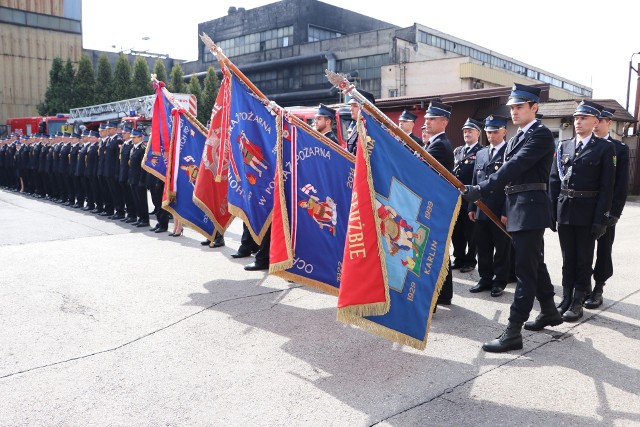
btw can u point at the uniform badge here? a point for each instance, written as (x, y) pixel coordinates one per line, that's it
(565, 159)
(466, 161)
(496, 167)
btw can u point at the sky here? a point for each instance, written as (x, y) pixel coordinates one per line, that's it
(588, 44)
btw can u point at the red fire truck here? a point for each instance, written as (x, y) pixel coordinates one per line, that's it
(40, 124)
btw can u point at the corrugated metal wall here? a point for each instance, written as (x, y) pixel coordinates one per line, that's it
(46, 7)
(26, 55)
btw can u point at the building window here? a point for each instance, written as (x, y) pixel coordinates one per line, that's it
(255, 42)
(315, 34)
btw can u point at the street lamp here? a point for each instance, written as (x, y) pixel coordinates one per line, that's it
(629, 81)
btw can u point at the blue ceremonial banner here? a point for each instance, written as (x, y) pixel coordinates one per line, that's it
(314, 196)
(185, 152)
(253, 135)
(414, 210)
(156, 156)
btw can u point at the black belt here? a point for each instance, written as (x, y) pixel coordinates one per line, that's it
(525, 187)
(573, 193)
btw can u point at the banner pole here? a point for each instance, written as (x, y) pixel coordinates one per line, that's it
(341, 82)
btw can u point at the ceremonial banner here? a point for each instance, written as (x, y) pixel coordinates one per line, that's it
(155, 158)
(185, 153)
(210, 192)
(397, 249)
(252, 140)
(311, 207)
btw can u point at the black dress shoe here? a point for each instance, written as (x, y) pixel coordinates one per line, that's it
(467, 268)
(254, 266)
(206, 242)
(142, 224)
(105, 213)
(132, 220)
(241, 254)
(161, 230)
(218, 242)
(480, 286)
(511, 339)
(497, 290)
(155, 228)
(117, 217)
(456, 265)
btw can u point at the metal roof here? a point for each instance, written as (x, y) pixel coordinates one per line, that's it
(560, 109)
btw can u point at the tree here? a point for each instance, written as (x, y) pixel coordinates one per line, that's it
(160, 71)
(104, 81)
(67, 88)
(211, 86)
(122, 79)
(141, 83)
(84, 83)
(196, 89)
(51, 103)
(177, 84)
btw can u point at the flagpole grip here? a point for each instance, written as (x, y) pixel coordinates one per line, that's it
(342, 83)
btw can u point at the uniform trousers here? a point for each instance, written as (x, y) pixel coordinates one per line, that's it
(577, 245)
(494, 253)
(603, 268)
(533, 279)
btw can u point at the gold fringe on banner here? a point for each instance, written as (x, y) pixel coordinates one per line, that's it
(306, 281)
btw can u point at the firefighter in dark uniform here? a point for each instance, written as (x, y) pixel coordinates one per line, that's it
(96, 205)
(603, 268)
(524, 177)
(494, 246)
(42, 165)
(352, 139)
(107, 202)
(406, 122)
(123, 176)
(111, 167)
(61, 165)
(52, 186)
(137, 179)
(84, 194)
(76, 195)
(323, 123)
(581, 189)
(464, 247)
(36, 171)
(436, 120)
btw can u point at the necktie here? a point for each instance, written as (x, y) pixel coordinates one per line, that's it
(578, 148)
(491, 153)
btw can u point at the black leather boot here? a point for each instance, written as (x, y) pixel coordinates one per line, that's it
(595, 299)
(548, 316)
(511, 339)
(567, 296)
(575, 309)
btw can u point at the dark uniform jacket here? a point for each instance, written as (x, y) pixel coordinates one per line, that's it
(125, 153)
(42, 159)
(34, 155)
(484, 167)
(102, 150)
(63, 162)
(332, 136)
(82, 159)
(73, 158)
(416, 139)
(92, 160)
(463, 163)
(352, 141)
(51, 157)
(591, 170)
(622, 177)
(440, 148)
(527, 161)
(112, 152)
(136, 173)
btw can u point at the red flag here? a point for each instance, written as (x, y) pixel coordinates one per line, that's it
(210, 192)
(363, 297)
(159, 144)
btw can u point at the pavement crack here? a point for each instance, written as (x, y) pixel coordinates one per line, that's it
(116, 348)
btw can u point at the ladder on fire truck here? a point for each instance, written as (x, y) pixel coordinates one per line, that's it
(141, 107)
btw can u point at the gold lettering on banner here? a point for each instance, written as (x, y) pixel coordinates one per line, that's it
(412, 291)
(355, 237)
(430, 257)
(427, 212)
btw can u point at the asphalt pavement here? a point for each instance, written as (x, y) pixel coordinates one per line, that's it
(105, 324)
